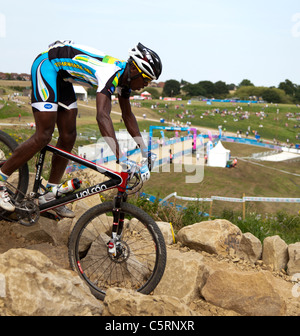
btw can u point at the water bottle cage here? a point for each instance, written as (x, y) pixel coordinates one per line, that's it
(55, 193)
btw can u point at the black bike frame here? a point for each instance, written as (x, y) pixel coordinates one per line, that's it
(117, 179)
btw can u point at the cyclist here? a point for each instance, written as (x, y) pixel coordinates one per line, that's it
(54, 102)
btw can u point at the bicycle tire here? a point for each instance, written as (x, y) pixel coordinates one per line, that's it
(20, 178)
(142, 241)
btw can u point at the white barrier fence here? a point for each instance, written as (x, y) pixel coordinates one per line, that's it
(233, 199)
(243, 200)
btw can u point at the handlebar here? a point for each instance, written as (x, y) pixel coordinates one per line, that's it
(134, 168)
(138, 172)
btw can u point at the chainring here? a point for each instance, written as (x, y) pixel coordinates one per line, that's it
(27, 212)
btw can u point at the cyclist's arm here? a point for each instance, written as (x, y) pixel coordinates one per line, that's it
(130, 121)
(103, 104)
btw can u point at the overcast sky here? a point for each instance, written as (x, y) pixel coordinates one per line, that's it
(227, 40)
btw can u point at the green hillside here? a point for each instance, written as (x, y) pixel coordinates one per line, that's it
(271, 121)
(247, 178)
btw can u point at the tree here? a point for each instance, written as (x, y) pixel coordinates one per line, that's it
(209, 88)
(194, 90)
(271, 96)
(288, 87)
(171, 88)
(297, 95)
(221, 88)
(245, 82)
(231, 86)
(184, 82)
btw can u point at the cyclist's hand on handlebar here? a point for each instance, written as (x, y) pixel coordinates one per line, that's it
(133, 168)
(126, 164)
(150, 156)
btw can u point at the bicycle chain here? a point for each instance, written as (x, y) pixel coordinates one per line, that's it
(26, 212)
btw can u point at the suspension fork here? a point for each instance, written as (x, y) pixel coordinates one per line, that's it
(118, 223)
(118, 215)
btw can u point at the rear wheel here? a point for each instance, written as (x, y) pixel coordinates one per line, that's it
(140, 258)
(18, 181)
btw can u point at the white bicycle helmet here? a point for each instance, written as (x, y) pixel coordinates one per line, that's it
(146, 60)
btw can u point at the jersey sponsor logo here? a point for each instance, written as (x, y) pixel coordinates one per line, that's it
(72, 65)
(48, 106)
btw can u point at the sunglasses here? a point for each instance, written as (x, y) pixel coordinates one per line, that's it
(146, 78)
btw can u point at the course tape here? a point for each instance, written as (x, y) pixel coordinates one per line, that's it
(243, 199)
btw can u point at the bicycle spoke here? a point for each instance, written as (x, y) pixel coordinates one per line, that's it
(134, 263)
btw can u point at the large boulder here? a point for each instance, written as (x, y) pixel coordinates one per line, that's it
(31, 285)
(167, 231)
(248, 293)
(250, 248)
(275, 253)
(123, 302)
(294, 259)
(217, 237)
(183, 274)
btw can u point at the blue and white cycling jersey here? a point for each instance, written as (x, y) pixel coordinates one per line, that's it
(86, 65)
(67, 62)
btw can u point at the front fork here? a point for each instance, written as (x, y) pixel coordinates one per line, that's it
(118, 222)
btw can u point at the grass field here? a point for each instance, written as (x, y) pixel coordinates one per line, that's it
(246, 178)
(271, 121)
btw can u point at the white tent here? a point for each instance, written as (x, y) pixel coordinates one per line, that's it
(80, 92)
(218, 156)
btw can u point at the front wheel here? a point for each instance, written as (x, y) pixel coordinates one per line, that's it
(139, 262)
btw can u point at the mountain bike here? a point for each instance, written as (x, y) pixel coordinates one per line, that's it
(113, 244)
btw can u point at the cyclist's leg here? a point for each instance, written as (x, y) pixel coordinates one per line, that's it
(45, 123)
(44, 107)
(66, 124)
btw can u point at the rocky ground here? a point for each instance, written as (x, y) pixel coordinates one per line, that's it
(14, 236)
(212, 270)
